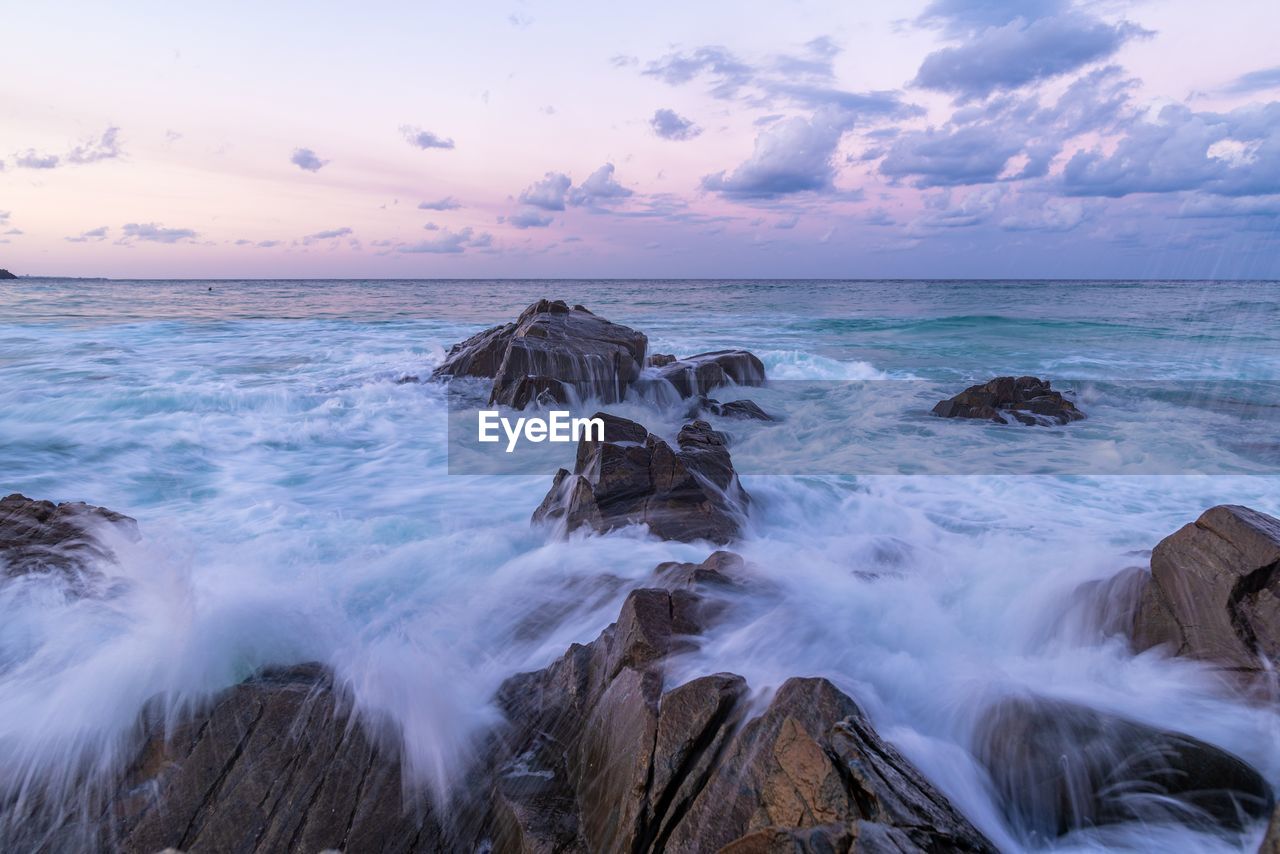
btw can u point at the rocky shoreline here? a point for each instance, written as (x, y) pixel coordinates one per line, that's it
(604, 750)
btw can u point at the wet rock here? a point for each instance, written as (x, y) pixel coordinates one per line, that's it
(275, 763)
(1027, 400)
(1214, 591)
(745, 409)
(697, 375)
(808, 767)
(1058, 766)
(40, 536)
(551, 351)
(721, 570)
(408, 379)
(604, 757)
(659, 360)
(633, 477)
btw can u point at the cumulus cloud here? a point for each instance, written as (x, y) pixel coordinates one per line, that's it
(805, 79)
(447, 242)
(448, 203)
(1022, 51)
(530, 217)
(155, 233)
(1058, 215)
(30, 159)
(669, 124)
(1229, 154)
(93, 234)
(306, 159)
(549, 194)
(792, 156)
(104, 147)
(1255, 81)
(1010, 137)
(327, 234)
(424, 139)
(600, 188)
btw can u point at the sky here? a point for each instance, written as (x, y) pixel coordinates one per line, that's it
(790, 138)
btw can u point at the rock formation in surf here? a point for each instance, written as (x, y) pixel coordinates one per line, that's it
(551, 352)
(555, 354)
(1027, 400)
(1214, 591)
(40, 536)
(1058, 766)
(634, 477)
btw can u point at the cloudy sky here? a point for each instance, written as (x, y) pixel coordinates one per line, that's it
(951, 138)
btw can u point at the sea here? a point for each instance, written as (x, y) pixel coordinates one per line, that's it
(297, 503)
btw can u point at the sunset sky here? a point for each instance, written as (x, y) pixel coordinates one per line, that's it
(952, 138)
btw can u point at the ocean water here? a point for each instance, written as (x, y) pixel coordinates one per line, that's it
(296, 505)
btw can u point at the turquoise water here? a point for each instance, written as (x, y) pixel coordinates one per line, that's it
(295, 504)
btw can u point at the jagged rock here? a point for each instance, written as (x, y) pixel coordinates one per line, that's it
(552, 351)
(274, 764)
(604, 758)
(633, 477)
(693, 376)
(747, 409)
(5, 274)
(658, 360)
(1058, 766)
(812, 769)
(1027, 400)
(39, 536)
(1214, 591)
(722, 569)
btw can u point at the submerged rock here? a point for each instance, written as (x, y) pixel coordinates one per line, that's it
(552, 351)
(697, 375)
(1027, 400)
(1214, 591)
(1058, 766)
(40, 536)
(633, 477)
(746, 409)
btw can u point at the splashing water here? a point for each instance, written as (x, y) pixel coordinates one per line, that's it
(294, 505)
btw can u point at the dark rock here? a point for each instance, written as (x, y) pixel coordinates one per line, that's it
(39, 536)
(659, 360)
(276, 763)
(551, 350)
(633, 477)
(408, 379)
(747, 409)
(722, 569)
(1214, 591)
(1058, 766)
(603, 757)
(1028, 400)
(5, 274)
(697, 375)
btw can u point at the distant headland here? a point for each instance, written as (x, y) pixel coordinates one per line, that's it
(5, 274)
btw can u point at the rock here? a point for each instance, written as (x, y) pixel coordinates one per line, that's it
(39, 536)
(602, 756)
(408, 379)
(1271, 841)
(721, 570)
(812, 769)
(1214, 591)
(554, 351)
(1028, 400)
(5, 274)
(693, 376)
(747, 409)
(659, 360)
(1058, 766)
(274, 764)
(633, 477)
